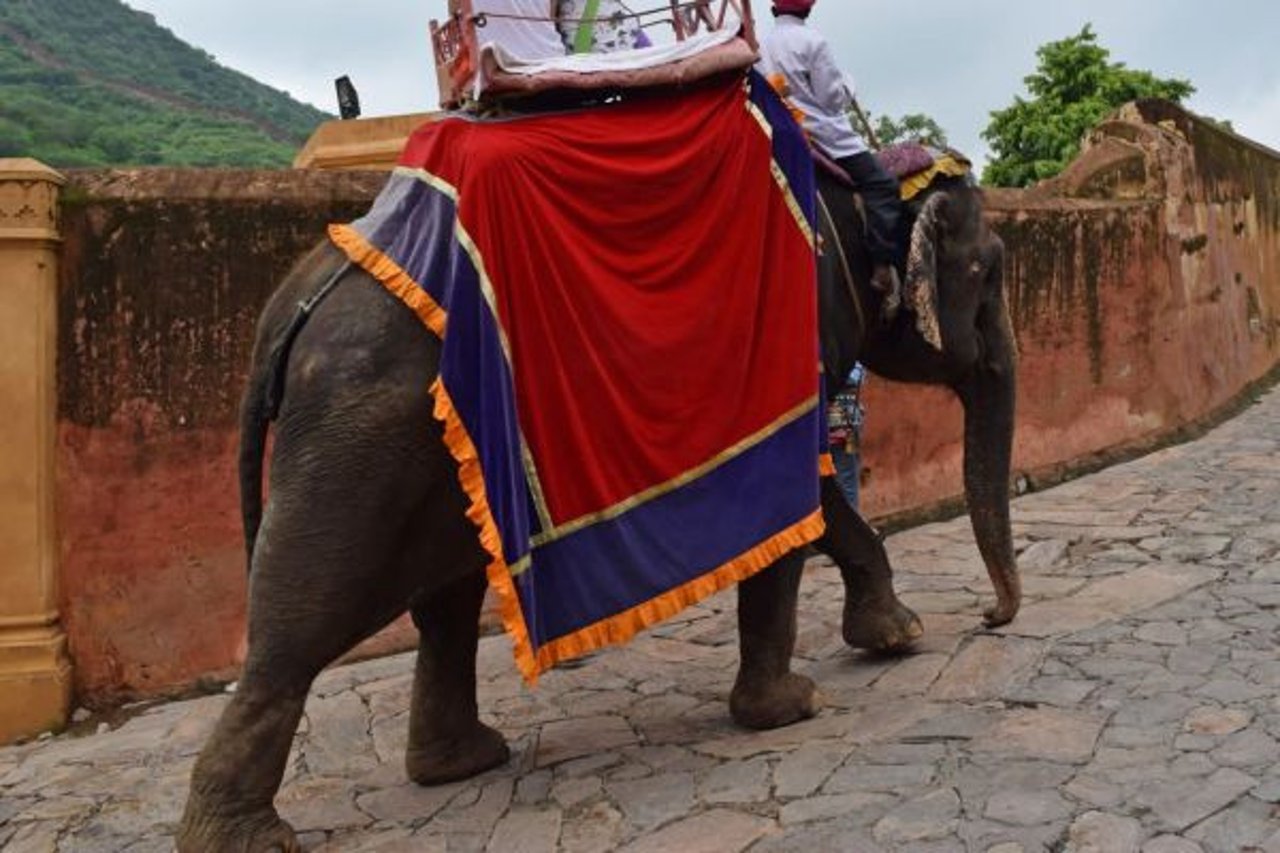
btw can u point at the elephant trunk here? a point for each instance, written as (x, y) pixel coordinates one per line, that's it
(989, 394)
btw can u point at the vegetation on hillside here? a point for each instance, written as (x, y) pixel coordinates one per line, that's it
(93, 82)
(1073, 88)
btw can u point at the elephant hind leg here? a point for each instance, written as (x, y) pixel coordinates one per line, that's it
(767, 694)
(447, 741)
(226, 811)
(329, 570)
(292, 637)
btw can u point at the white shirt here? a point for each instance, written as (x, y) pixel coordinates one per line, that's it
(518, 41)
(801, 55)
(613, 29)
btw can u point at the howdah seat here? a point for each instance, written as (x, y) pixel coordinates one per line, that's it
(691, 40)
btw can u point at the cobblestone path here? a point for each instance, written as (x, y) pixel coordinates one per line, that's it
(1134, 706)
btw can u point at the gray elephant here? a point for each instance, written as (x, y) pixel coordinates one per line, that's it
(366, 518)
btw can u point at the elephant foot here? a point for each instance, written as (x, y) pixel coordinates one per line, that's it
(262, 832)
(1001, 613)
(773, 704)
(437, 762)
(886, 630)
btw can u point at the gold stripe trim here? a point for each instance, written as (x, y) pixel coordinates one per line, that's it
(535, 485)
(581, 523)
(780, 179)
(430, 178)
(759, 116)
(460, 447)
(491, 299)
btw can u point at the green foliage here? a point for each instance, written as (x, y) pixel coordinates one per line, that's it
(1074, 87)
(95, 83)
(917, 126)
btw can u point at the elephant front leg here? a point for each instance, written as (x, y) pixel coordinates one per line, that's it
(874, 618)
(767, 693)
(238, 772)
(447, 741)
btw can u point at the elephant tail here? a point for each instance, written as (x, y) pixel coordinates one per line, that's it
(262, 402)
(254, 423)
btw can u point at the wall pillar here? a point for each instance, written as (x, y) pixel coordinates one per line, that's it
(35, 673)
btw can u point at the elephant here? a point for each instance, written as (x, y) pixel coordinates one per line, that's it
(976, 358)
(366, 518)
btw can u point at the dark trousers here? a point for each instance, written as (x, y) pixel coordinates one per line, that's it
(881, 202)
(848, 472)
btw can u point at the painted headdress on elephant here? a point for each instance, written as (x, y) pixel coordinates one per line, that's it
(920, 290)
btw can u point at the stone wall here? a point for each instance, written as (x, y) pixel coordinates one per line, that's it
(1145, 286)
(162, 277)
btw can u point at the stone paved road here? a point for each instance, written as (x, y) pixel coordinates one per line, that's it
(1135, 706)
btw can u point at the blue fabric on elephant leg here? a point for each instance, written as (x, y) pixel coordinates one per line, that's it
(848, 473)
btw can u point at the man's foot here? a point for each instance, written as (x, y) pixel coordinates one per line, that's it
(884, 278)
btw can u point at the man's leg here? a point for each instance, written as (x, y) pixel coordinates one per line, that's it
(883, 205)
(848, 471)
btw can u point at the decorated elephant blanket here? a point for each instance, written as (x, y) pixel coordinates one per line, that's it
(629, 379)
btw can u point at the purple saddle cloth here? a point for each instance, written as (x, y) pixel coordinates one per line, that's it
(906, 158)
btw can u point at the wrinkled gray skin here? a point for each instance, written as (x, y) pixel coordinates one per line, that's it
(366, 519)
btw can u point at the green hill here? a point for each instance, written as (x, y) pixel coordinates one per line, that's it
(95, 83)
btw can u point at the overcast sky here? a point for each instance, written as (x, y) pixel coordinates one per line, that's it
(955, 61)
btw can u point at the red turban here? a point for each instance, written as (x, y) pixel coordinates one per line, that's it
(793, 7)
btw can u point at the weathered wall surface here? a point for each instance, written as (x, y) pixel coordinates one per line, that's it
(1145, 288)
(163, 274)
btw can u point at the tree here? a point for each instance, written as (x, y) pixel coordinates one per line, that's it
(916, 126)
(1074, 87)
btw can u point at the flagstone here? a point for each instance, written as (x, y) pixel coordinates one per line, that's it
(986, 668)
(1049, 733)
(654, 800)
(408, 803)
(717, 831)
(1098, 832)
(828, 806)
(933, 815)
(526, 830)
(1027, 807)
(1171, 844)
(564, 740)
(1179, 803)
(1212, 720)
(597, 830)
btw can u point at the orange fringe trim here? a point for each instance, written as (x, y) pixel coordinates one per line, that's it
(471, 477)
(456, 438)
(826, 465)
(616, 629)
(391, 275)
(622, 627)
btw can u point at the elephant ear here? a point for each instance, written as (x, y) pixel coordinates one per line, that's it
(920, 290)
